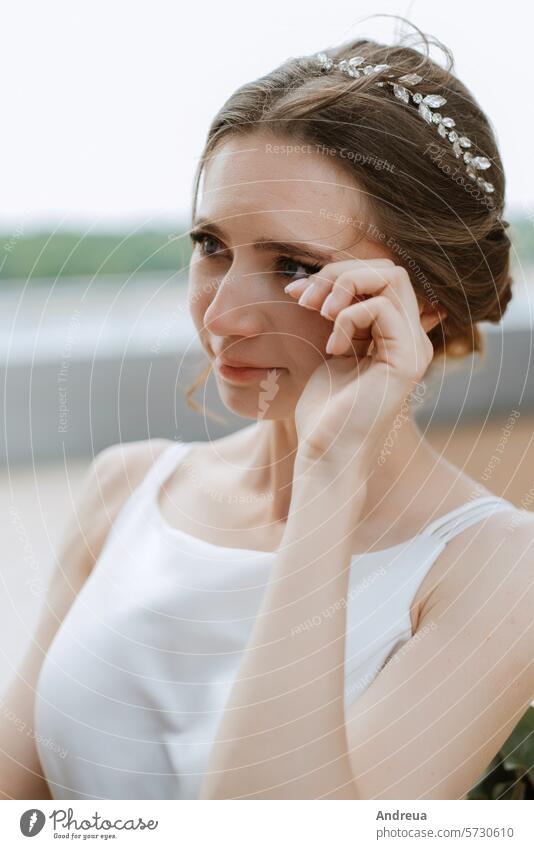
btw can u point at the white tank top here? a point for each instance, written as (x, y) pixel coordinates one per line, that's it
(134, 683)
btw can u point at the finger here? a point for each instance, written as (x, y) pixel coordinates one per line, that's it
(359, 344)
(354, 284)
(393, 283)
(377, 314)
(324, 279)
(359, 348)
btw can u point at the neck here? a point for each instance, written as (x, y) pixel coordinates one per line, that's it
(404, 468)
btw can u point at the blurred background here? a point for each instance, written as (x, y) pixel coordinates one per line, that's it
(106, 108)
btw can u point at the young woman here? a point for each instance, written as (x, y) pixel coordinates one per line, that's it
(318, 605)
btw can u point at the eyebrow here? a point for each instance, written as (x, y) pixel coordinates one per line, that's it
(264, 244)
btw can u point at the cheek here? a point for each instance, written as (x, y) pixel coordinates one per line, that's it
(307, 331)
(310, 322)
(303, 330)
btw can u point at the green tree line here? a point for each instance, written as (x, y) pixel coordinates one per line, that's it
(36, 256)
(69, 254)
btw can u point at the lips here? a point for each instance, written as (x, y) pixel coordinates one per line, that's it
(225, 361)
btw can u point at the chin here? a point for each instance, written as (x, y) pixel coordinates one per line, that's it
(257, 401)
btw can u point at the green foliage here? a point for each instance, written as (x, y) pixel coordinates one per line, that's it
(66, 254)
(510, 774)
(38, 256)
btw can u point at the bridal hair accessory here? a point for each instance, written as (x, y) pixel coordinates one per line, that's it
(353, 68)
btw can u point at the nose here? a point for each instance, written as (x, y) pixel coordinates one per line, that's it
(238, 307)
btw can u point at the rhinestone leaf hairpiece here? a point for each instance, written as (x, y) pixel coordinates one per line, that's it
(356, 67)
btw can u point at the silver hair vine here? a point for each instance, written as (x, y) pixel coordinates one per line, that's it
(355, 67)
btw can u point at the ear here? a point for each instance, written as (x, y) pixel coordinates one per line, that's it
(430, 315)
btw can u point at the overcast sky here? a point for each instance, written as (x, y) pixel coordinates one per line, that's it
(106, 103)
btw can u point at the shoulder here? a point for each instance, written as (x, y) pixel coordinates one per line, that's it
(109, 480)
(126, 463)
(502, 541)
(486, 582)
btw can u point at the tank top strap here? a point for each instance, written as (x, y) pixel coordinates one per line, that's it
(446, 527)
(163, 466)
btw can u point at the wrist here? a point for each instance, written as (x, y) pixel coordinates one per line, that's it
(333, 464)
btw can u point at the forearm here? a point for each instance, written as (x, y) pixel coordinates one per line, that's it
(282, 734)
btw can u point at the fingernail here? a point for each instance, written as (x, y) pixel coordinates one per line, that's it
(329, 344)
(305, 297)
(291, 286)
(324, 308)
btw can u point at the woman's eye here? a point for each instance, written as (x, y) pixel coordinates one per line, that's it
(300, 269)
(209, 245)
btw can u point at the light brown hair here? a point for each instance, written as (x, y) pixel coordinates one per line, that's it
(448, 234)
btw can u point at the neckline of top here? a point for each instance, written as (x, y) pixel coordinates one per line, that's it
(182, 449)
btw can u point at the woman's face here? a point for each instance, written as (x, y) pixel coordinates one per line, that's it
(268, 215)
